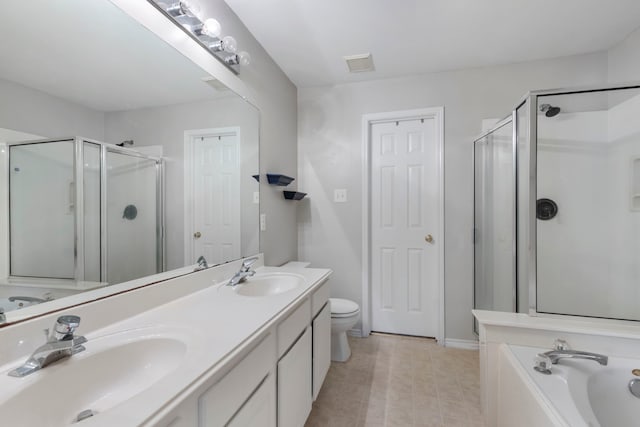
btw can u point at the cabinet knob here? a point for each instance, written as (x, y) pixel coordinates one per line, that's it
(428, 238)
(197, 234)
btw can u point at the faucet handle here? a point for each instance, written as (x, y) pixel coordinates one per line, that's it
(561, 345)
(542, 364)
(65, 327)
(247, 263)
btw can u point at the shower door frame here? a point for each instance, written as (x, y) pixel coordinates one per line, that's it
(77, 260)
(501, 123)
(78, 169)
(532, 98)
(160, 201)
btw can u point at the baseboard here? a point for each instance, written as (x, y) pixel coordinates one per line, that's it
(463, 344)
(355, 332)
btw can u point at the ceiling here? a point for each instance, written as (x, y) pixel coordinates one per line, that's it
(94, 55)
(309, 38)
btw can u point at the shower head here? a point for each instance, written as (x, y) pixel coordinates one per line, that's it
(549, 110)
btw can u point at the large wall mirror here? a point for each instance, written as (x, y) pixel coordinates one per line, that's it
(120, 158)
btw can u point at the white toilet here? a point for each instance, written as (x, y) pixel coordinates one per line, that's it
(344, 316)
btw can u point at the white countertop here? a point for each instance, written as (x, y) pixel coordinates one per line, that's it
(218, 325)
(580, 325)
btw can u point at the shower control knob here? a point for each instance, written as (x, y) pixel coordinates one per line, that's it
(428, 238)
(197, 234)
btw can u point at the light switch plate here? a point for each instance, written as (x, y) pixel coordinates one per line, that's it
(263, 222)
(340, 195)
(256, 197)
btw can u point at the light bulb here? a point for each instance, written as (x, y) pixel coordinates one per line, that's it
(211, 28)
(229, 44)
(190, 8)
(244, 58)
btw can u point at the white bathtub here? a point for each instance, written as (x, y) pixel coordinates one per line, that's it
(582, 392)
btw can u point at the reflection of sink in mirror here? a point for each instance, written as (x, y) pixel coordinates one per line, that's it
(7, 305)
(269, 284)
(110, 371)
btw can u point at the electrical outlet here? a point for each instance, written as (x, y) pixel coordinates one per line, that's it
(263, 222)
(340, 195)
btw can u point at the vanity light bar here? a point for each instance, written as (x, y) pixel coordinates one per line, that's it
(187, 15)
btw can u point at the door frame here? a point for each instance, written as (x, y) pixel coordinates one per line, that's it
(437, 114)
(189, 138)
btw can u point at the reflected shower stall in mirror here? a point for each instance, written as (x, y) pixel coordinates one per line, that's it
(103, 214)
(577, 193)
(134, 100)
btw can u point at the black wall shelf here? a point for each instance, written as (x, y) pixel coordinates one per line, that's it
(279, 179)
(293, 195)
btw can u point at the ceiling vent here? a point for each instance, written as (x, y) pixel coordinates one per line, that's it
(359, 63)
(215, 83)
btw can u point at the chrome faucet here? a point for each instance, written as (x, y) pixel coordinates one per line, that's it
(245, 271)
(61, 343)
(561, 351)
(202, 264)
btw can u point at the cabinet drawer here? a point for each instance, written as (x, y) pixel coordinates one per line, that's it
(218, 404)
(294, 383)
(260, 409)
(292, 327)
(319, 298)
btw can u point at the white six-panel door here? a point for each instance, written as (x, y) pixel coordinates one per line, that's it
(216, 198)
(405, 210)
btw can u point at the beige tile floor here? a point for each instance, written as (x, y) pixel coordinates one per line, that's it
(400, 381)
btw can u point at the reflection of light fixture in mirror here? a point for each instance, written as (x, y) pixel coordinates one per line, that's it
(242, 58)
(227, 44)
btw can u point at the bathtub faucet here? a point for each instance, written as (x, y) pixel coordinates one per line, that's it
(545, 360)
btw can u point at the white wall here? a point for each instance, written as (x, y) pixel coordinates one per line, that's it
(329, 133)
(624, 59)
(28, 110)
(573, 248)
(275, 96)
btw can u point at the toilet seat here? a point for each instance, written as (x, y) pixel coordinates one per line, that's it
(343, 307)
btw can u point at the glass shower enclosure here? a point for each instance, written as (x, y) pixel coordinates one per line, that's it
(104, 213)
(572, 203)
(494, 219)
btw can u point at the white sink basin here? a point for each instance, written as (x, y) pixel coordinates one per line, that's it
(269, 284)
(110, 371)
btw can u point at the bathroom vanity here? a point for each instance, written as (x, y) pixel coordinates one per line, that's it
(256, 354)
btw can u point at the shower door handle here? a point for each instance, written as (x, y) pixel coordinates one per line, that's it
(197, 234)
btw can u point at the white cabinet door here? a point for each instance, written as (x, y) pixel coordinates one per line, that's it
(260, 409)
(294, 383)
(321, 348)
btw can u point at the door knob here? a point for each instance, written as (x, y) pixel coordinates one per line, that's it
(197, 234)
(428, 238)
